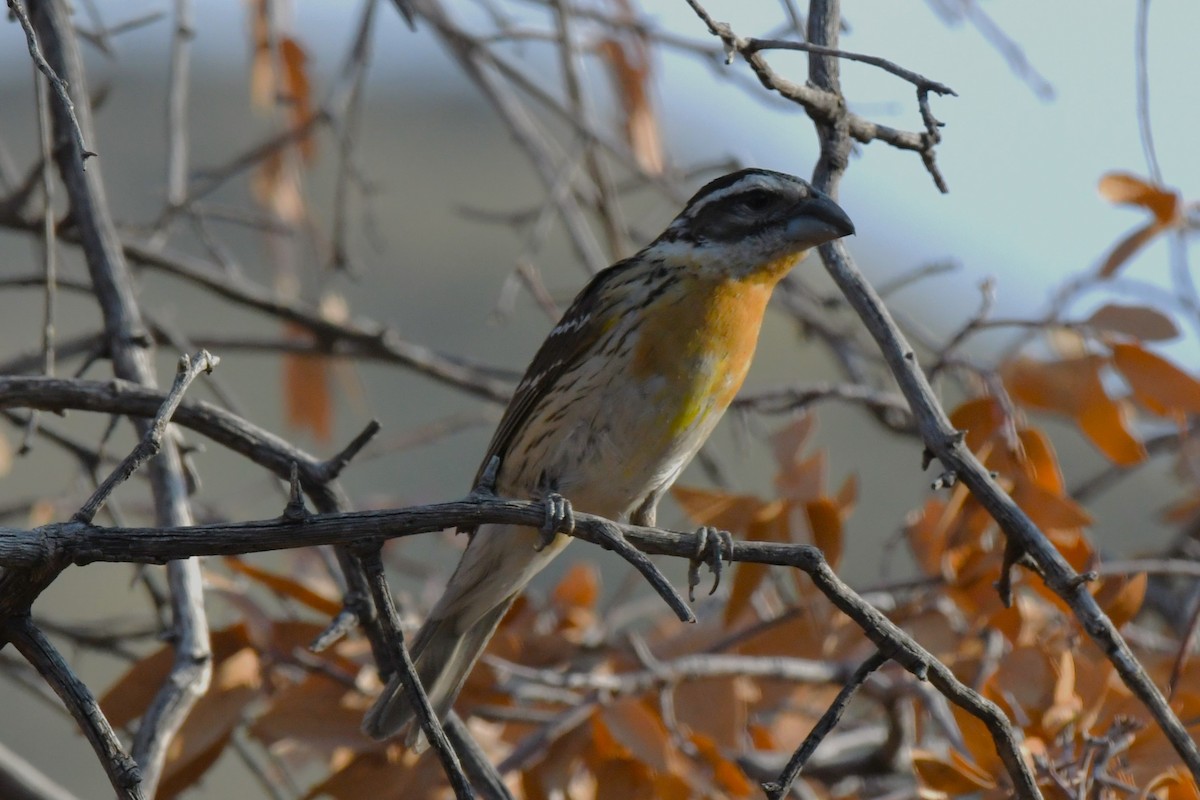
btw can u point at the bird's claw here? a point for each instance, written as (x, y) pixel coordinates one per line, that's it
(558, 516)
(713, 547)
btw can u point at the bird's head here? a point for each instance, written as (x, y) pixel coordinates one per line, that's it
(752, 218)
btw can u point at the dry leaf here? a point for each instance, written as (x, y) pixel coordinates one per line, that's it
(1107, 424)
(1066, 704)
(206, 731)
(714, 708)
(1174, 784)
(298, 91)
(802, 480)
(307, 393)
(639, 732)
(1040, 461)
(318, 712)
(1065, 386)
(825, 522)
(788, 442)
(624, 779)
(1157, 384)
(954, 777)
(727, 776)
(1049, 510)
(1126, 189)
(128, 698)
(980, 418)
(1126, 248)
(1140, 322)
(629, 66)
(1120, 597)
(578, 589)
(262, 67)
(286, 587)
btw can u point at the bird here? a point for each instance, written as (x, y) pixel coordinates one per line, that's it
(617, 400)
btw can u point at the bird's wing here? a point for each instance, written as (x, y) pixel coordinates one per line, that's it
(567, 344)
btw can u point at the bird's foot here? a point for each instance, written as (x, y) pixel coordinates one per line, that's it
(713, 547)
(558, 516)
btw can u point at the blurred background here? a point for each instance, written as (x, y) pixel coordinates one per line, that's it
(1047, 103)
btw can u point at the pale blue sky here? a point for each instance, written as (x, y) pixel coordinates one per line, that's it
(1022, 170)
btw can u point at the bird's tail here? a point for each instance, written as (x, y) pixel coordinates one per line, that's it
(444, 656)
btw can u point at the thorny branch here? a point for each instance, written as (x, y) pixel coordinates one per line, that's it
(76, 542)
(939, 435)
(824, 104)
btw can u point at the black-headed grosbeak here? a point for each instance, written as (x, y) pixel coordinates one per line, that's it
(620, 396)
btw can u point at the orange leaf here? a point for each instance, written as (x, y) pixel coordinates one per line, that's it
(825, 522)
(1157, 384)
(318, 712)
(1106, 423)
(298, 90)
(206, 731)
(979, 743)
(1183, 511)
(1140, 322)
(980, 418)
(746, 579)
(306, 389)
(1065, 386)
(802, 480)
(624, 779)
(579, 588)
(728, 777)
(629, 66)
(1066, 704)
(947, 776)
(286, 587)
(640, 732)
(1049, 509)
(1120, 597)
(128, 698)
(788, 442)
(382, 775)
(1126, 189)
(715, 708)
(769, 523)
(731, 512)
(1041, 463)
(175, 782)
(1125, 249)
(1174, 784)
(847, 495)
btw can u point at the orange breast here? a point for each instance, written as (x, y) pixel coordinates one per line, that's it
(700, 337)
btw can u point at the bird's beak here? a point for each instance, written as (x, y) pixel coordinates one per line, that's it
(821, 208)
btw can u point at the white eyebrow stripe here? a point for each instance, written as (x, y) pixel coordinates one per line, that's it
(744, 184)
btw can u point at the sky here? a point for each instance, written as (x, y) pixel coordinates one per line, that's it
(1022, 166)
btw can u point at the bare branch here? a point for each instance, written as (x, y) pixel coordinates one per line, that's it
(781, 787)
(939, 435)
(122, 771)
(152, 440)
(59, 84)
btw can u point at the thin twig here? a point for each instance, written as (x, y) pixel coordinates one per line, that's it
(59, 84)
(829, 720)
(177, 104)
(122, 771)
(406, 672)
(152, 440)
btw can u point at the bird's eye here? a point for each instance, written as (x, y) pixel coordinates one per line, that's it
(757, 200)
